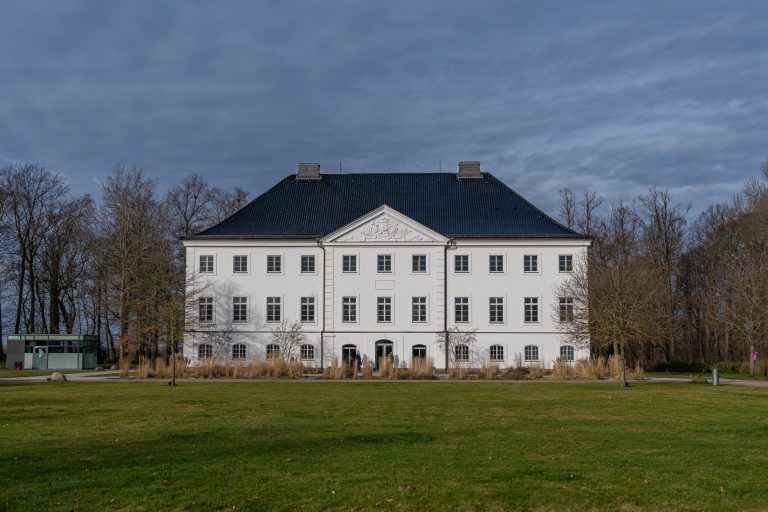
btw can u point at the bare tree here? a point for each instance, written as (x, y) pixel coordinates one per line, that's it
(568, 208)
(288, 337)
(450, 341)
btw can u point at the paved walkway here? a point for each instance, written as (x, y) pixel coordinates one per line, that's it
(111, 376)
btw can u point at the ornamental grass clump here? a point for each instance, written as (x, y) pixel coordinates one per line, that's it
(334, 370)
(387, 368)
(422, 368)
(562, 370)
(124, 367)
(489, 371)
(367, 369)
(536, 371)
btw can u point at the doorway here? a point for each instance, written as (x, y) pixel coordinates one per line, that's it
(40, 361)
(384, 349)
(349, 355)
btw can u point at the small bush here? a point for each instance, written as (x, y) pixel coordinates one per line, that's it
(335, 370)
(515, 373)
(536, 371)
(727, 367)
(562, 370)
(367, 369)
(744, 368)
(490, 371)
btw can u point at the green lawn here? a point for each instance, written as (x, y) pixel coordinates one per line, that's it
(384, 446)
(706, 375)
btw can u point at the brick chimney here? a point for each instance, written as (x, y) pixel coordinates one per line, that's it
(469, 170)
(308, 172)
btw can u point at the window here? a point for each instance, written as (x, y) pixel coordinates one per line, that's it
(531, 353)
(566, 263)
(496, 310)
(307, 309)
(206, 309)
(531, 263)
(461, 263)
(307, 352)
(349, 309)
(418, 309)
(204, 351)
(461, 352)
(531, 309)
(567, 352)
(496, 263)
(419, 351)
(384, 309)
(273, 351)
(566, 309)
(461, 309)
(384, 263)
(240, 264)
(419, 263)
(206, 264)
(497, 353)
(273, 309)
(308, 264)
(238, 351)
(274, 264)
(349, 263)
(239, 309)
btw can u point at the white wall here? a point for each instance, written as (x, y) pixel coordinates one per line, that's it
(402, 284)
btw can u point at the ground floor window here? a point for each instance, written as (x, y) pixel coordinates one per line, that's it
(307, 352)
(419, 351)
(238, 351)
(273, 351)
(462, 352)
(531, 353)
(567, 352)
(204, 351)
(497, 353)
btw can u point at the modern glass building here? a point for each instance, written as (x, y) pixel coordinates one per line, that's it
(54, 351)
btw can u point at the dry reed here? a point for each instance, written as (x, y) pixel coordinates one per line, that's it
(335, 370)
(124, 367)
(562, 370)
(422, 368)
(367, 369)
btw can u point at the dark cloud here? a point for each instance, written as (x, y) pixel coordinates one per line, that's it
(616, 96)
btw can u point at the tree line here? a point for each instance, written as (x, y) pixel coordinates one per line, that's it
(657, 287)
(112, 267)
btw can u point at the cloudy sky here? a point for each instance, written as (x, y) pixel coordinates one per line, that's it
(616, 96)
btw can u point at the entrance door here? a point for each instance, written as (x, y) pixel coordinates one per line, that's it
(349, 355)
(41, 358)
(383, 349)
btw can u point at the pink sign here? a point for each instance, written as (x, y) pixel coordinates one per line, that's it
(754, 356)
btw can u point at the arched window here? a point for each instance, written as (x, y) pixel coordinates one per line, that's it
(273, 351)
(566, 352)
(307, 352)
(462, 352)
(204, 351)
(531, 353)
(419, 351)
(497, 353)
(238, 351)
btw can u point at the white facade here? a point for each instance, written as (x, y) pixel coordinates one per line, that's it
(380, 236)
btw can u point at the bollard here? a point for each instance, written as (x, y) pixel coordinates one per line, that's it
(715, 376)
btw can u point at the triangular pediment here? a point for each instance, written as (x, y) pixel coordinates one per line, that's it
(385, 225)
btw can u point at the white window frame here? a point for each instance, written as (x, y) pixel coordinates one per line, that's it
(538, 263)
(210, 303)
(391, 263)
(469, 264)
(354, 302)
(503, 310)
(572, 355)
(469, 310)
(531, 359)
(247, 264)
(565, 301)
(495, 358)
(208, 349)
(425, 305)
(391, 303)
(272, 351)
(503, 264)
(426, 264)
(538, 311)
(281, 259)
(213, 264)
(465, 349)
(314, 309)
(239, 357)
(243, 301)
(304, 350)
(279, 305)
(314, 264)
(357, 263)
(559, 268)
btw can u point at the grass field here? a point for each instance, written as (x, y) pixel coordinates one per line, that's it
(6, 373)
(383, 446)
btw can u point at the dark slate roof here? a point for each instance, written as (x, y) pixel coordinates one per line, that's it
(456, 208)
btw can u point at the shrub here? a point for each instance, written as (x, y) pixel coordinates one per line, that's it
(562, 370)
(744, 368)
(335, 370)
(536, 371)
(423, 368)
(367, 369)
(727, 367)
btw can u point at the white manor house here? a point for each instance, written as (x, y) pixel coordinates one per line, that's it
(385, 263)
